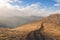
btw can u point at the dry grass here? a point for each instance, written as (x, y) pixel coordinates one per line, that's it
(29, 27)
(19, 33)
(7, 34)
(50, 30)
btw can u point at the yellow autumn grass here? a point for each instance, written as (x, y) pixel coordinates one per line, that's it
(29, 27)
(52, 29)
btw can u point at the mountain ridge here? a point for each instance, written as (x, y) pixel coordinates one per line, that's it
(49, 30)
(44, 29)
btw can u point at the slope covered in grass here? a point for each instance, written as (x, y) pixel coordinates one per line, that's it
(45, 29)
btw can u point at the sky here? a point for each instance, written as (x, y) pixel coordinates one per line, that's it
(29, 7)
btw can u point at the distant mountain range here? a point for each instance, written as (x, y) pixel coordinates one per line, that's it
(17, 20)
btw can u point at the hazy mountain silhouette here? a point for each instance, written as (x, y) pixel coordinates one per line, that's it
(17, 20)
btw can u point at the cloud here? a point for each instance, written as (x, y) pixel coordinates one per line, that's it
(58, 1)
(6, 9)
(13, 11)
(33, 9)
(12, 1)
(54, 12)
(4, 3)
(57, 5)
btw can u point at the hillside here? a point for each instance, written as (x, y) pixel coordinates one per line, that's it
(49, 30)
(28, 27)
(45, 29)
(19, 33)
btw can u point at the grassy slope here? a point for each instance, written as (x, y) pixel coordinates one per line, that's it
(29, 27)
(19, 33)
